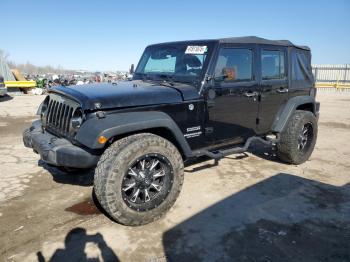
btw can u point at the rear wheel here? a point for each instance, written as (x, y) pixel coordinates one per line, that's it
(298, 139)
(138, 178)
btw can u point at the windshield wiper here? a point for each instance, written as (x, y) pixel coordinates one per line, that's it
(164, 80)
(168, 81)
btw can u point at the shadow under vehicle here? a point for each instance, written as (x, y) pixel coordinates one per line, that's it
(283, 218)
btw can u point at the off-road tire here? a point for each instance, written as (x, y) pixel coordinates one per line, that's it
(287, 148)
(115, 162)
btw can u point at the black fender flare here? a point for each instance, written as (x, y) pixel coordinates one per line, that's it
(287, 110)
(122, 123)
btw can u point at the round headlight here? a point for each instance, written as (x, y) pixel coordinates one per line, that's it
(77, 118)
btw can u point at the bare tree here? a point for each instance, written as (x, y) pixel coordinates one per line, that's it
(4, 55)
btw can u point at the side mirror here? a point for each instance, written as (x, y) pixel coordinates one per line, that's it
(229, 73)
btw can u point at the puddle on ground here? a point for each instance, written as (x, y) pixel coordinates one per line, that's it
(14, 125)
(85, 208)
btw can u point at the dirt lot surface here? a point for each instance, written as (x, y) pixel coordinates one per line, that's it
(250, 207)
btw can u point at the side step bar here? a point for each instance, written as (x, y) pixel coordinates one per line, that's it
(235, 150)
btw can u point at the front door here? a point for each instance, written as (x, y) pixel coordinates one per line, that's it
(233, 111)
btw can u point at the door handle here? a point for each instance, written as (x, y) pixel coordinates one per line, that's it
(282, 90)
(250, 94)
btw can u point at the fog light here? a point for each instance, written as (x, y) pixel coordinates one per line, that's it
(102, 140)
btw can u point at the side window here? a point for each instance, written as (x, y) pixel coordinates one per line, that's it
(234, 64)
(272, 64)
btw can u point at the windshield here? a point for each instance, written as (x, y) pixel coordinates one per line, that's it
(182, 62)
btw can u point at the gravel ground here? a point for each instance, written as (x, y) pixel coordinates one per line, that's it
(250, 207)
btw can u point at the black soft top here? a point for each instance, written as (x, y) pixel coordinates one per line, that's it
(245, 40)
(259, 40)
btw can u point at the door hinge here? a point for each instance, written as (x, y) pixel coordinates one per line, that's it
(211, 103)
(100, 114)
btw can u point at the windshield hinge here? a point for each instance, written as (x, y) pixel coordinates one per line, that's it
(100, 114)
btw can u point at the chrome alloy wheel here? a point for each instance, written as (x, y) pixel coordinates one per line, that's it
(305, 137)
(147, 182)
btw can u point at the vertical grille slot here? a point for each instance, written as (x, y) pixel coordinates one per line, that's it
(64, 107)
(58, 115)
(50, 112)
(54, 113)
(65, 122)
(49, 109)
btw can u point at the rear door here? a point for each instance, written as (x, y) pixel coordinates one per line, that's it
(273, 84)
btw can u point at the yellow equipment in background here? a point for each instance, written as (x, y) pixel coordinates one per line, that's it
(336, 86)
(21, 81)
(17, 74)
(20, 84)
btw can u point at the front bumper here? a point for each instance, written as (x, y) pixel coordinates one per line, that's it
(57, 151)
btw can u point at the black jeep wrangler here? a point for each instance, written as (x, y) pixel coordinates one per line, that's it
(187, 99)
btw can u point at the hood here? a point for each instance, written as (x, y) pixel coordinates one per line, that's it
(126, 94)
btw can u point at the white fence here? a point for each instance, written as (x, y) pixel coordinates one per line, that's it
(332, 77)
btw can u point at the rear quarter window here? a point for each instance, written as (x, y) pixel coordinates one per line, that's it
(301, 76)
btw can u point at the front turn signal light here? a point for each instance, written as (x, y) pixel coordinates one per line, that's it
(102, 140)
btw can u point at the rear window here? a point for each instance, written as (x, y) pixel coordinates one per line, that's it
(272, 64)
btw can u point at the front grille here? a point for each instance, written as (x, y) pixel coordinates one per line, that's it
(59, 114)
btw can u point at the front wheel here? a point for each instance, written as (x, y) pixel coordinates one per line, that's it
(138, 178)
(298, 139)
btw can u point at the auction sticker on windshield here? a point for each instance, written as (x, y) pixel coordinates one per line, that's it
(196, 49)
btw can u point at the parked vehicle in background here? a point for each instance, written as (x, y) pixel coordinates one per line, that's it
(3, 89)
(187, 99)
